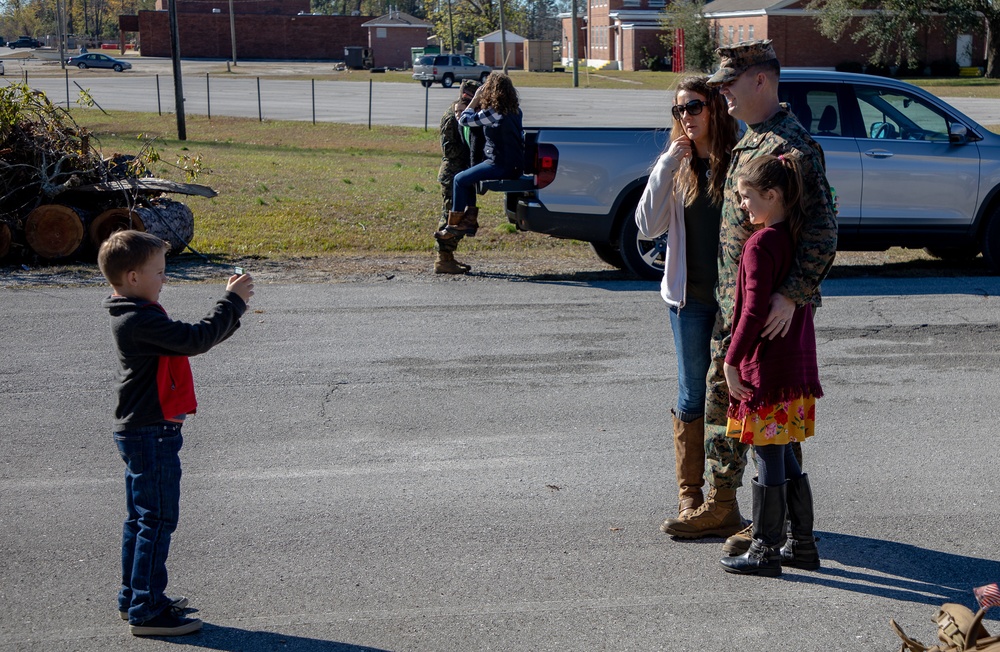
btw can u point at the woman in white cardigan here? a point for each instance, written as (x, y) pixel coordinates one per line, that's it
(683, 198)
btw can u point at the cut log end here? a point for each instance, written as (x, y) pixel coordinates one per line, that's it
(111, 220)
(54, 231)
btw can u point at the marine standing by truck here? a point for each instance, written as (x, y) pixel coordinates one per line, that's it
(461, 148)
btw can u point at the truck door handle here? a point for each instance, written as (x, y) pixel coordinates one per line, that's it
(878, 153)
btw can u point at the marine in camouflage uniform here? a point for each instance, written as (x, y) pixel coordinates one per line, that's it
(780, 134)
(459, 146)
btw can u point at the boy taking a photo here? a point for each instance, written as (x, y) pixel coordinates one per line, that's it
(155, 392)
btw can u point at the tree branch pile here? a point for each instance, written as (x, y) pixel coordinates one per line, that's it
(59, 197)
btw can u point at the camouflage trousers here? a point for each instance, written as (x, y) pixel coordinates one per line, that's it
(726, 457)
(446, 246)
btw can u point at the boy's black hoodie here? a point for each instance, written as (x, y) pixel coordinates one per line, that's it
(154, 380)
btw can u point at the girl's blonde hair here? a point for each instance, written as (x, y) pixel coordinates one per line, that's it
(722, 132)
(499, 94)
(783, 174)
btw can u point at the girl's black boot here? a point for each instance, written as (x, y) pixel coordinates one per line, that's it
(800, 550)
(764, 555)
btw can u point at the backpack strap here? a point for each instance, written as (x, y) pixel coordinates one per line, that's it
(909, 644)
(959, 627)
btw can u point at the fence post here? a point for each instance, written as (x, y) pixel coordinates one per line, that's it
(208, 96)
(260, 113)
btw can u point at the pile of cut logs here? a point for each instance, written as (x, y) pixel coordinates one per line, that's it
(60, 198)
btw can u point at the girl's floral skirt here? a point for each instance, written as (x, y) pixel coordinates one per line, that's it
(782, 423)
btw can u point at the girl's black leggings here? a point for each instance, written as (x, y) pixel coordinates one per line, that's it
(775, 464)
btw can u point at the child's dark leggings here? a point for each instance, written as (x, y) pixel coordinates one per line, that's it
(775, 464)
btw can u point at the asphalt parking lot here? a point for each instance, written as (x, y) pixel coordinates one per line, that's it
(482, 464)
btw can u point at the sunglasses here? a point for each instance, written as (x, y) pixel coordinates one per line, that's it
(694, 107)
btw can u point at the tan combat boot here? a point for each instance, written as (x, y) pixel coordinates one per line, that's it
(446, 264)
(739, 543)
(689, 453)
(719, 516)
(449, 231)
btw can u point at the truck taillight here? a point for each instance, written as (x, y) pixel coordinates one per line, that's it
(546, 163)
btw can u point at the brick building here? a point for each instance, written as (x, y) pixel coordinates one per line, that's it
(391, 36)
(798, 43)
(277, 29)
(619, 34)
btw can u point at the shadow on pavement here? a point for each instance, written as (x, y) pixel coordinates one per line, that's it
(900, 571)
(233, 639)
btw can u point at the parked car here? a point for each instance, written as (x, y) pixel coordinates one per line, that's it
(909, 171)
(25, 42)
(97, 60)
(448, 69)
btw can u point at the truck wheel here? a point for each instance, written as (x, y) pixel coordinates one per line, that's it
(482, 77)
(608, 254)
(991, 242)
(448, 80)
(642, 256)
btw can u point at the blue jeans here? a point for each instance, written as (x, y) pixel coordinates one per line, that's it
(463, 192)
(152, 495)
(692, 327)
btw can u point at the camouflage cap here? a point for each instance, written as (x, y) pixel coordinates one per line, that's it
(468, 88)
(735, 59)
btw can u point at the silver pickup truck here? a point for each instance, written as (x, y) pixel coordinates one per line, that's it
(909, 171)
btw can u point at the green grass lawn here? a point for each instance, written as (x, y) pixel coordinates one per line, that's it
(291, 189)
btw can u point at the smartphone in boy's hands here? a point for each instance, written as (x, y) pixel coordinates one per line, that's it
(241, 284)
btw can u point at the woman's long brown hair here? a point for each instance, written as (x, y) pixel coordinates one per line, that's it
(722, 132)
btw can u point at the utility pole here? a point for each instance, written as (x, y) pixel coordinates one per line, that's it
(451, 31)
(503, 39)
(576, 65)
(175, 55)
(61, 33)
(232, 29)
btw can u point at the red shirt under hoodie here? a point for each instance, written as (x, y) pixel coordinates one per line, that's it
(154, 380)
(784, 368)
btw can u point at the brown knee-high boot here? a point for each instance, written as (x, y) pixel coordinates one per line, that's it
(689, 454)
(469, 223)
(449, 231)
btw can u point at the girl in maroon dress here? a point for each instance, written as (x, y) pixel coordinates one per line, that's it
(773, 384)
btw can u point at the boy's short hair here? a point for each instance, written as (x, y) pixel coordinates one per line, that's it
(125, 251)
